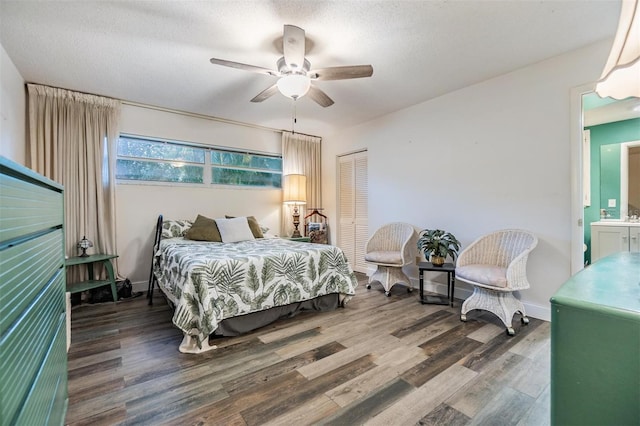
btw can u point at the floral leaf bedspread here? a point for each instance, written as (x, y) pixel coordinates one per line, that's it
(208, 282)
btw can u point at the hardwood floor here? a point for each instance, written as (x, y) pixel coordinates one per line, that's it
(379, 361)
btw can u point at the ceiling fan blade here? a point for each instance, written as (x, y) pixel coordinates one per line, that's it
(266, 93)
(293, 47)
(245, 67)
(341, 73)
(319, 97)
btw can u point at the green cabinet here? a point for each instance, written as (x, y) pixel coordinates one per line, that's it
(33, 377)
(595, 345)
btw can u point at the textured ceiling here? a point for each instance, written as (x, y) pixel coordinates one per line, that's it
(157, 52)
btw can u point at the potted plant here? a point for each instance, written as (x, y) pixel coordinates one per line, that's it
(437, 244)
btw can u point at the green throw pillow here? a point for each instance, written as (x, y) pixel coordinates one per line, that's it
(253, 225)
(204, 229)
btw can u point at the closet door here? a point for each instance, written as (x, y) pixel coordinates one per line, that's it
(353, 228)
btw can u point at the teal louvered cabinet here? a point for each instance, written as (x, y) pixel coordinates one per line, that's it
(33, 334)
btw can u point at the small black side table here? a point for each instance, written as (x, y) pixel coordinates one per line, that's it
(450, 269)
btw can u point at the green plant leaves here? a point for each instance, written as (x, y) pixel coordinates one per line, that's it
(437, 242)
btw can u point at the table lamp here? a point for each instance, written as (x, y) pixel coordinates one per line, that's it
(83, 245)
(295, 193)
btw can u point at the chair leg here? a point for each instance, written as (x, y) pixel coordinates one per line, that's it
(502, 304)
(388, 276)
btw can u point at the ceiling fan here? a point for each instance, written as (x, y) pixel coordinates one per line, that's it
(294, 71)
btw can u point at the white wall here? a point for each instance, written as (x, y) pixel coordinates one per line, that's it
(490, 156)
(138, 205)
(12, 111)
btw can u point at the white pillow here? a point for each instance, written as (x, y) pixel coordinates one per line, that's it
(233, 230)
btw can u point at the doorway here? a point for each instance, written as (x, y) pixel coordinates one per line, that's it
(588, 110)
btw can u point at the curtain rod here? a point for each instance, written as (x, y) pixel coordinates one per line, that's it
(299, 133)
(211, 118)
(203, 116)
(191, 114)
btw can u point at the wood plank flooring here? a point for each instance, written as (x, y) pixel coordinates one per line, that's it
(379, 361)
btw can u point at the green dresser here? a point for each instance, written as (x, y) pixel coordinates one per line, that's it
(33, 352)
(595, 345)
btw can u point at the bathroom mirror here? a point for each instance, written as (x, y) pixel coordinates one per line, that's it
(620, 179)
(630, 166)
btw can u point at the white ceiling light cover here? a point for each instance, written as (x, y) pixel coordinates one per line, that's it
(294, 86)
(621, 76)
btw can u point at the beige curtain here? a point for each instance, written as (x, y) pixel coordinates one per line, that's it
(72, 140)
(301, 155)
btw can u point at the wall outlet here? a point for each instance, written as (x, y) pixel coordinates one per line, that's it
(612, 202)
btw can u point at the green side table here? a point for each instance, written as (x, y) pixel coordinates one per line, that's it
(105, 259)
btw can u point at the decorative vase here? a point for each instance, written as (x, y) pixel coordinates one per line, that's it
(437, 260)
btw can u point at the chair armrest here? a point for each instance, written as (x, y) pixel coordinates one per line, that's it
(409, 248)
(517, 271)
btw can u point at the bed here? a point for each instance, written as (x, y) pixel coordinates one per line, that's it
(228, 288)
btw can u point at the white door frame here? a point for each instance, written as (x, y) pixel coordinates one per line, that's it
(577, 206)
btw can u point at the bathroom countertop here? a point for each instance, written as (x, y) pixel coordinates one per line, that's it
(615, 222)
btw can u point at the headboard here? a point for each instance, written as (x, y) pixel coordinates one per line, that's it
(156, 246)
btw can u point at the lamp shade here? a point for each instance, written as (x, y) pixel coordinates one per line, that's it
(294, 189)
(620, 78)
(83, 245)
(294, 86)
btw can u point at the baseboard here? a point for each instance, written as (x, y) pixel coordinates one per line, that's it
(140, 286)
(537, 311)
(463, 291)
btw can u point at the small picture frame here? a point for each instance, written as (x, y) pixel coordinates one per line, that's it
(317, 232)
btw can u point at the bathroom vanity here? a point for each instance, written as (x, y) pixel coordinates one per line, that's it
(614, 236)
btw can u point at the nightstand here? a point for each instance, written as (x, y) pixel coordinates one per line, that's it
(105, 259)
(299, 239)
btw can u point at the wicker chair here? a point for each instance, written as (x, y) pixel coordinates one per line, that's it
(496, 266)
(390, 248)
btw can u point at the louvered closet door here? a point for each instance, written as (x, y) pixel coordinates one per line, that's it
(353, 208)
(347, 211)
(361, 201)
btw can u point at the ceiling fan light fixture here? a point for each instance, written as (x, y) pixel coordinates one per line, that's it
(294, 71)
(294, 86)
(620, 78)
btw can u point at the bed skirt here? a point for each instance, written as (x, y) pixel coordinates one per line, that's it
(236, 326)
(245, 323)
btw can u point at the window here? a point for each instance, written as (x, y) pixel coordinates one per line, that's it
(141, 159)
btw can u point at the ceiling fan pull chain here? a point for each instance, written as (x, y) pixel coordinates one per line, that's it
(294, 118)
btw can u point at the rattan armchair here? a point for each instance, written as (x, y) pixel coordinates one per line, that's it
(496, 266)
(391, 247)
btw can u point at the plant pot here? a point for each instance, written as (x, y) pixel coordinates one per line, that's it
(437, 260)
